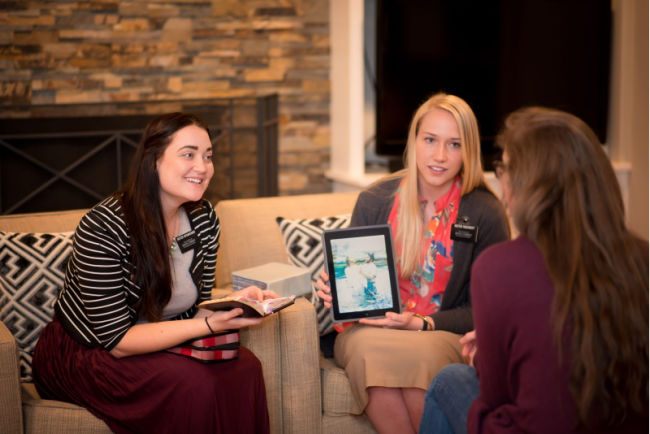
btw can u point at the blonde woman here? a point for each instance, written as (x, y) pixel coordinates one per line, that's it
(388, 363)
(561, 313)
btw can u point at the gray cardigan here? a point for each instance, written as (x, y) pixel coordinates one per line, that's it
(481, 208)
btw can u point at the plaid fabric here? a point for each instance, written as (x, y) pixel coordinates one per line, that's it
(210, 348)
(338, 399)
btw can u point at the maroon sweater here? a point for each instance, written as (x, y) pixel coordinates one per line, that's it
(523, 387)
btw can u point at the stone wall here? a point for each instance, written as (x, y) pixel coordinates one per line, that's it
(69, 52)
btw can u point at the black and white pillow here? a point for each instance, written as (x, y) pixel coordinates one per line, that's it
(302, 239)
(32, 270)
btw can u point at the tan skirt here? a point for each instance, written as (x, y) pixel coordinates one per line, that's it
(374, 356)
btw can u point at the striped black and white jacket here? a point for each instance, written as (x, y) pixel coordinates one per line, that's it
(96, 304)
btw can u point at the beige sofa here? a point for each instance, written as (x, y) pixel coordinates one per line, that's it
(306, 393)
(249, 237)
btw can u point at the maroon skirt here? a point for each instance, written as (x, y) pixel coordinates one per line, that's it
(158, 392)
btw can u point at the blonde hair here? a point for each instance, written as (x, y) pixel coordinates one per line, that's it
(411, 219)
(571, 207)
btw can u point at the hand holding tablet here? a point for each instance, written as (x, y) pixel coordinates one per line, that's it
(362, 273)
(324, 292)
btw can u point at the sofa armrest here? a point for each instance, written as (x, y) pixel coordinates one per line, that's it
(287, 346)
(264, 341)
(11, 412)
(301, 382)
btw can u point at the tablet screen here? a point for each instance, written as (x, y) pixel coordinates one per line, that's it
(361, 266)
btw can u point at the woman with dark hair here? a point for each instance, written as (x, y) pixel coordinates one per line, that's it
(561, 313)
(142, 261)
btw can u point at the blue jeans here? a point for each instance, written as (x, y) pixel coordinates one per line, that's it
(448, 400)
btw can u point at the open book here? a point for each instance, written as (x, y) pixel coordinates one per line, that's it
(251, 307)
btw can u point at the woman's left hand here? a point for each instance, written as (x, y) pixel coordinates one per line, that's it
(395, 321)
(468, 341)
(256, 293)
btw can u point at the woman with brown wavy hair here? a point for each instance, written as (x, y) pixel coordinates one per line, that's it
(561, 313)
(128, 341)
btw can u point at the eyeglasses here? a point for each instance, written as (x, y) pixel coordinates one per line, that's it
(499, 168)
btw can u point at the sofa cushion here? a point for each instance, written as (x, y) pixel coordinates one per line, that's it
(338, 399)
(32, 269)
(47, 416)
(302, 239)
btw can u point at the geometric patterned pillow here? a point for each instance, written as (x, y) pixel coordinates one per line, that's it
(32, 269)
(302, 239)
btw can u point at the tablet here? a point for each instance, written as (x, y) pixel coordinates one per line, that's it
(361, 266)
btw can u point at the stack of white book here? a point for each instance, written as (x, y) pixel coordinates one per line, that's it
(284, 279)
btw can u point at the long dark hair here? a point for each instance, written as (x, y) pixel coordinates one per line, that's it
(568, 201)
(142, 209)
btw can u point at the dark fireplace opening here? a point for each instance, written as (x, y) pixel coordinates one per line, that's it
(69, 157)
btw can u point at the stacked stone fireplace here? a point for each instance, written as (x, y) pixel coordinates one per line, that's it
(67, 55)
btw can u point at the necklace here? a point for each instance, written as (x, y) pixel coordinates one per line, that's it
(173, 244)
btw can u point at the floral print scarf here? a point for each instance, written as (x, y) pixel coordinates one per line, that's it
(422, 292)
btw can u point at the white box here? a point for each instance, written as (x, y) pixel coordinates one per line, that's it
(284, 279)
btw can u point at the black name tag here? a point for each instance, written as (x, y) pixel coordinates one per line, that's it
(464, 231)
(187, 241)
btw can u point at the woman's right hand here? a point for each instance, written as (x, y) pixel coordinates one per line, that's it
(324, 289)
(221, 320)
